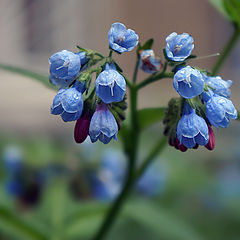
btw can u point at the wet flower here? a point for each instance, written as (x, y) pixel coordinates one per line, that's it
(192, 129)
(188, 82)
(65, 67)
(103, 125)
(220, 110)
(122, 39)
(110, 85)
(81, 129)
(148, 62)
(218, 85)
(68, 103)
(179, 46)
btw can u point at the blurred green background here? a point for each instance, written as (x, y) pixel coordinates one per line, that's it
(201, 194)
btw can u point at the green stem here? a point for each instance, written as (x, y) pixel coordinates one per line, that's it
(157, 149)
(154, 78)
(226, 51)
(129, 183)
(110, 54)
(136, 69)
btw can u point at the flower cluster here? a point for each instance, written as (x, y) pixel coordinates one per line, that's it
(204, 100)
(98, 114)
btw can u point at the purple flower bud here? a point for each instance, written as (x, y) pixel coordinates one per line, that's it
(211, 142)
(148, 62)
(82, 128)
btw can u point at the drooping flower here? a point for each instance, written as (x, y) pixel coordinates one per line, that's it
(122, 39)
(148, 62)
(81, 129)
(211, 142)
(179, 46)
(110, 85)
(69, 103)
(103, 125)
(192, 129)
(218, 85)
(188, 82)
(65, 67)
(220, 110)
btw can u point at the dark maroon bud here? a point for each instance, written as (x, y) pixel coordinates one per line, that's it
(181, 147)
(82, 128)
(211, 142)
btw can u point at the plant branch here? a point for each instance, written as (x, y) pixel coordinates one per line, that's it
(154, 78)
(226, 51)
(136, 69)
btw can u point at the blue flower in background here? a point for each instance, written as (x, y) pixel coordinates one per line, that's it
(219, 111)
(179, 46)
(110, 85)
(69, 103)
(65, 67)
(152, 182)
(148, 62)
(13, 159)
(122, 39)
(218, 85)
(103, 125)
(107, 183)
(188, 82)
(192, 129)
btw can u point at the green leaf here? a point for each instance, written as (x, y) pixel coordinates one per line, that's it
(86, 220)
(150, 116)
(233, 9)
(27, 73)
(147, 45)
(14, 226)
(160, 221)
(219, 5)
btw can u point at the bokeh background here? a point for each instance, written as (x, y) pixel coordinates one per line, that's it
(199, 197)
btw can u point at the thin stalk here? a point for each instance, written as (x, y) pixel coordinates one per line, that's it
(154, 78)
(226, 51)
(129, 183)
(136, 69)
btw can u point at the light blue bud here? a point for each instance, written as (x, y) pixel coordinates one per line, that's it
(110, 85)
(121, 39)
(179, 46)
(64, 68)
(68, 103)
(103, 125)
(188, 82)
(218, 85)
(192, 129)
(219, 111)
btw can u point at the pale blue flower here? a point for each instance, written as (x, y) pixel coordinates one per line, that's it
(148, 62)
(103, 125)
(219, 111)
(110, 85)
(188, 82)
(68, 103)
(122, 39)
(192, 129)
(218, 85)
(65, 67)
(179, 46)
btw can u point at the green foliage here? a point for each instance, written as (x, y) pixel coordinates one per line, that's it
(27, 73)
(230, 9)
(147, 45)
(149, 116)
(11, 224)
